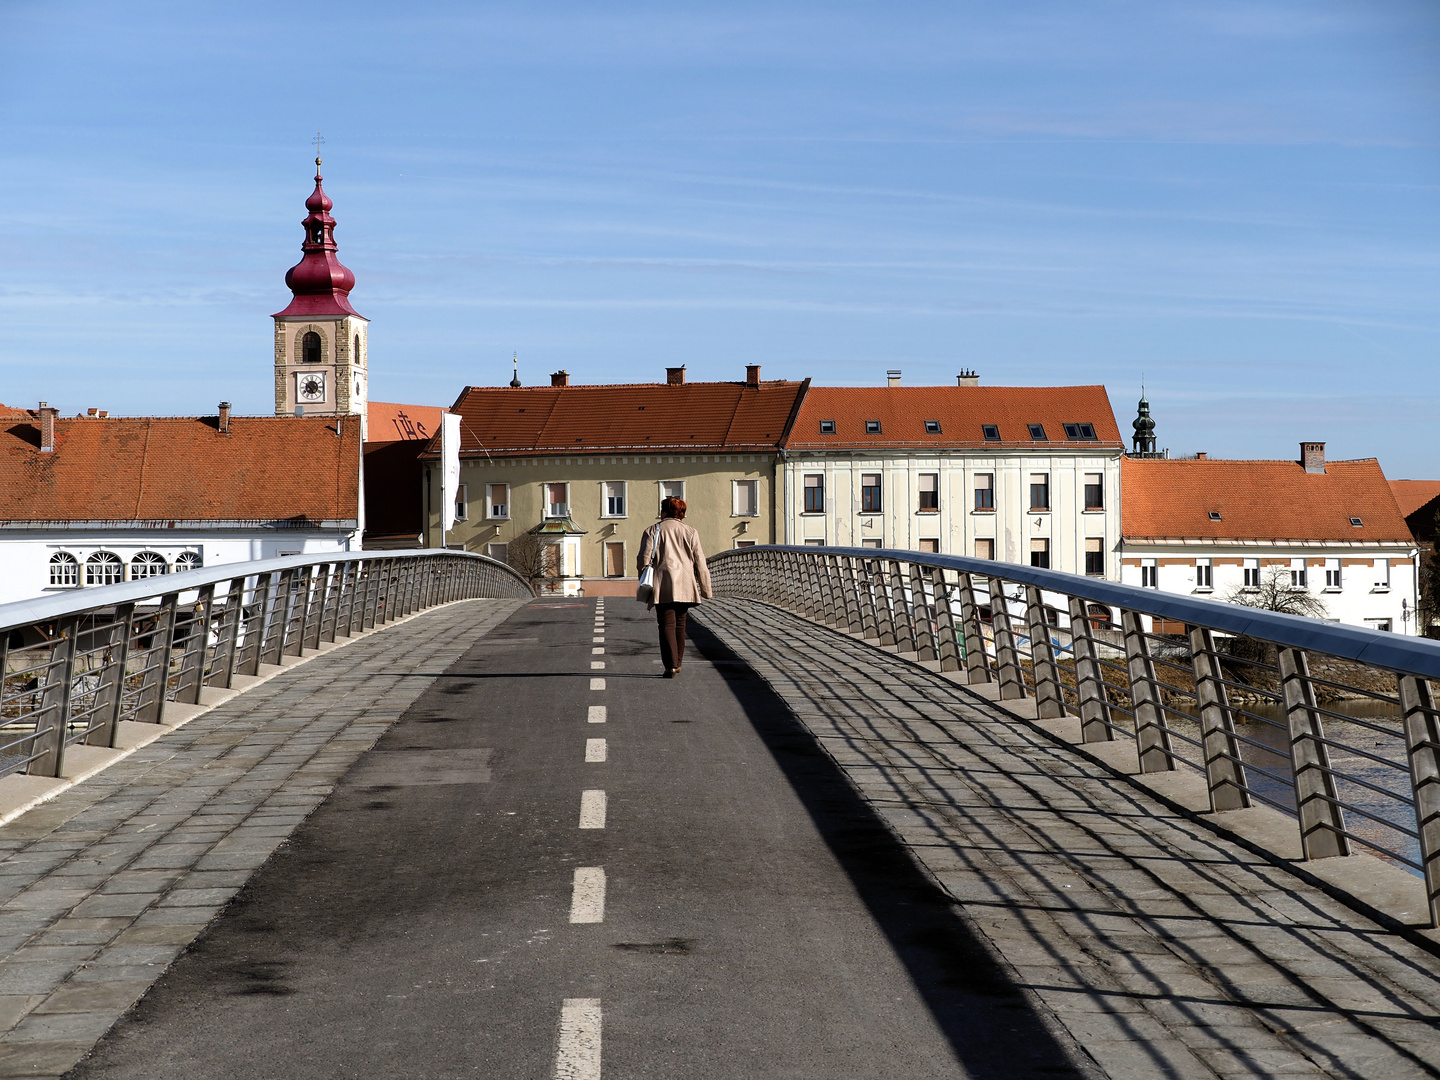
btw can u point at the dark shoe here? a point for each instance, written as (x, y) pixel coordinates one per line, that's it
(669, 673)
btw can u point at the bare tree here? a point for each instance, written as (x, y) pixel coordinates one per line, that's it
(526, 556)
(1277, 592)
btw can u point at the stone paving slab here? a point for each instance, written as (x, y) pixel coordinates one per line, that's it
(105, 884)
(1165, 949)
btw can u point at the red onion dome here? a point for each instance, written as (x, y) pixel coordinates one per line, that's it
(320, 281)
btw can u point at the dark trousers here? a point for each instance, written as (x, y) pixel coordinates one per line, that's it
(671, 618)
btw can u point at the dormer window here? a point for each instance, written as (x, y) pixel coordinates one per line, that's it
(1356, 522)
(932, 427)
(1080, 432)
(872, 427)
(991, 432)
(310, 348)
(1037, 432)
(827, 427)
(1214, 515)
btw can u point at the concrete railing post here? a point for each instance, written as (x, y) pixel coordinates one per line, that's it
(834, 601)
(155, 682)
(1049, 699)
(1089, 677)
(924, 609)
(192, 655)
(1422, 742)
(1152, 733)
(1007, 657)
(277, 619)
(1322, 824)
(869, 601)
(300, 592)
(255, 622)
(110, 694)
(903, 608)
(884, 609)
(977, 661)
(315, 613)
(947, 642)
(1224, 775)
(53, 716)
(227, 647)
(854, 604)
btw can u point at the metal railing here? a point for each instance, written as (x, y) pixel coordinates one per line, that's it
(1335, 726)
(77, 664)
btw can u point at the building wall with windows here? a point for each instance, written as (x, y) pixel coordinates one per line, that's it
(992, 472)
(1228, 529)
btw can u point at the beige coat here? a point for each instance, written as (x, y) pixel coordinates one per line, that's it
(681, 576)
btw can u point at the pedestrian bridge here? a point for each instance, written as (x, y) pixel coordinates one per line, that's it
(900, 815)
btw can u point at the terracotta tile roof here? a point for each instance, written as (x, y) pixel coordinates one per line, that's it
(388, 422)
(10, 412)
(153, 468)
(1257, 500)
(643, 417)
(1411, 495)
(961, 412)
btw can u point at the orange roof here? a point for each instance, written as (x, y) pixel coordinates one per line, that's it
(1411, 495)
(10, 412)
(387, 422)
(960, 411)
(644, 417)
(157, 468)
(1257, 500)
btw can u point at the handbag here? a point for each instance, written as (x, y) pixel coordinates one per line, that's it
(645, 589)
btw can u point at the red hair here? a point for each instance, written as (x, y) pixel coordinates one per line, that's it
(672, 507)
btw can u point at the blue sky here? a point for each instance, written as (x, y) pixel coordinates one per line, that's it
(1239, 200)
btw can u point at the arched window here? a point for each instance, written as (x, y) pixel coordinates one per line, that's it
(147, 564)
(310, 348)
(103, 568)
(1100, 617)
(64, 570)
(187, 560)
(356, 358)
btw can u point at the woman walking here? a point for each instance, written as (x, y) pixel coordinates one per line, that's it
(681, 578)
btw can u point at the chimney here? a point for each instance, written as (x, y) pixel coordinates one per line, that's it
(675, 376)
(92, 413)
(47, 427)
(224, 425)
(1200, 455)
(892, 378)
(103, 413)
(560, 378)
(752, 374)
(967, 377)
(1312, 456)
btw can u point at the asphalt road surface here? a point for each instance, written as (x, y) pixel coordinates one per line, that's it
(549, 868)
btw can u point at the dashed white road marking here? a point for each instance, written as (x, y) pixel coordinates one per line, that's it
(594, 749)
(597, 665)
(597, 684)
(599, 640)
(599, 650)
(596, 714)
(592, 809)
(577, 1057)
(587, 900)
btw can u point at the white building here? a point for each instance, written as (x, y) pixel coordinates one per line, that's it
(1027, 475)
(1220, 528)
(96, 500)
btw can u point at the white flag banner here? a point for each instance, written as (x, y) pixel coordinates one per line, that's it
(449, 470)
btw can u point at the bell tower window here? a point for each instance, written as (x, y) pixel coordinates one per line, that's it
(310, 348)
(317, 234)
(356, 358)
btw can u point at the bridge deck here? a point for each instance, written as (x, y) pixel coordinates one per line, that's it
(757, 916)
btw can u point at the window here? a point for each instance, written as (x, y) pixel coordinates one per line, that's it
(672, 489)
(187, 560)
(1332, 574)
(1094, 491)
(932, 427)
(872, 427)
(814, 543)
(64, 570)
(985, 549)
(747, 498)
(1037, 432)
(1378, 624)
(1252, 573)
(498, 552)
(1357, 522)
(1100, 617)
(552, 559)
(814, 494)
(103, 568)
(614, 558)
(462, 502)
(872, 542)
(498, 496)
(744, 543)
(557, 500)
(1382, 575)
(1039, 491)
(1298, 577)
(310, 348)
(930, 546)
(613, 492)
(827, 427)
(991, 432)
(1094, 556)
(1204, 574)
(1040, 554)
(355, 359)
(1214, 515)
(929, 492)
(870, 502)
(146, 565)
(1085, 432)
(984, 491)
(1149, 574)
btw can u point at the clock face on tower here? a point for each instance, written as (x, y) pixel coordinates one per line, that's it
(311, 386)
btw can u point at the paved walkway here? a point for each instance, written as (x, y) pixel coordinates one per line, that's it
(1164, 950)
(102, 887)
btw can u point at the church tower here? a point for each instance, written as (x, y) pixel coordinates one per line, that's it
(321, 342)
